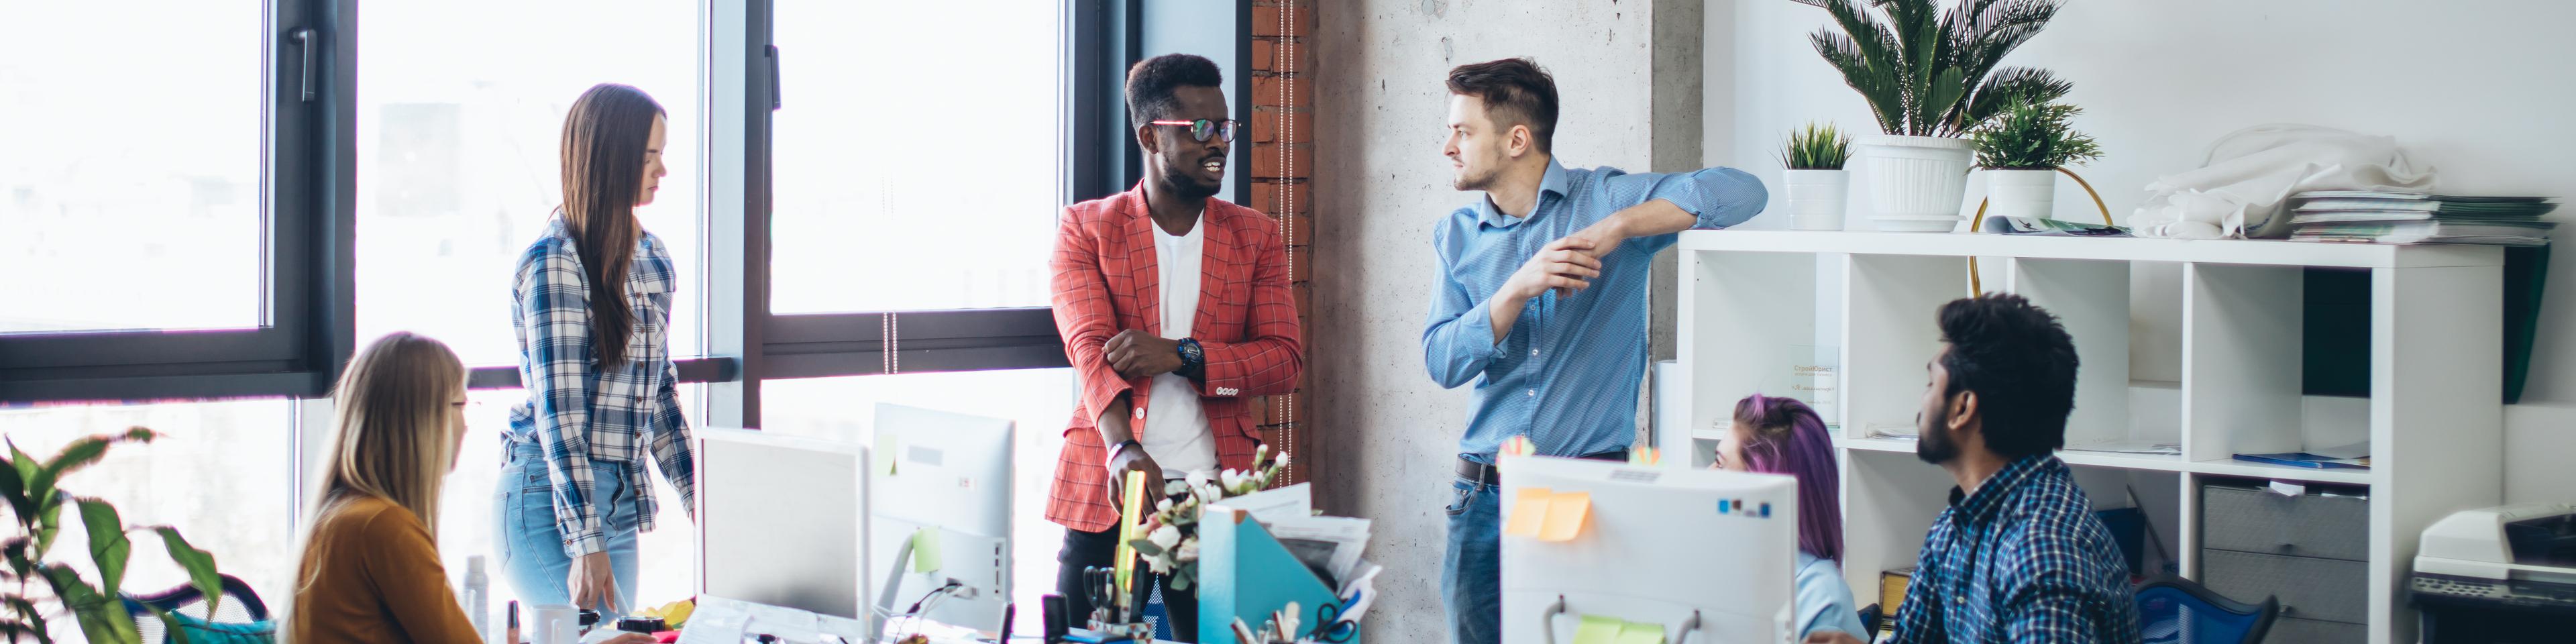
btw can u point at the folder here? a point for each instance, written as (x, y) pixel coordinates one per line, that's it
(1244, 572)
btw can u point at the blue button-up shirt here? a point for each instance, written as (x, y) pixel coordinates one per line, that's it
(1567, 373)
(2021, 560)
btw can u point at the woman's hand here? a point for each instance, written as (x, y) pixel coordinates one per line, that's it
(630, 638)
(592, 585)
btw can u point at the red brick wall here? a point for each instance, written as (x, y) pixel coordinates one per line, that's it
(1282, 161)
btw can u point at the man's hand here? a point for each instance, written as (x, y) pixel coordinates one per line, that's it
(1135, 459)
(1832, 637)
(1564, 264)
(1598, 239)
(1137, 354)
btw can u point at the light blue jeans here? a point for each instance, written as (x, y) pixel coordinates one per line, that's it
(530, 545)
(1471, 583)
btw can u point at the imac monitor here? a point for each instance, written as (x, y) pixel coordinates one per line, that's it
(778, 519)
(1657, 546)
(946, 477)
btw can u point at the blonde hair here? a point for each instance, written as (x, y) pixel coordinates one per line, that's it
(390, 438)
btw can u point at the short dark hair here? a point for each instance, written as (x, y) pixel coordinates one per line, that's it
(1515, 91)
(2021, 364)
(1151, 81)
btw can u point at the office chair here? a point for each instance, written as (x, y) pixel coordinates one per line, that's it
(242, 618)
(2180, 611)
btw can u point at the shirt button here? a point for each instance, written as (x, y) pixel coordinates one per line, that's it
(1533, 352)
(1533, 392)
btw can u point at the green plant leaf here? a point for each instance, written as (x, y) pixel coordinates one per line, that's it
(14, 489)
(15, 629)
(172, 630)
(16, 552)
(1146, 548)
(21, 492)
(49, 524)
(108, 546)
(103, 619)
(199, 564)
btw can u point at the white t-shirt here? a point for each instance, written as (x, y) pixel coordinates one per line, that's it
(1176, 426)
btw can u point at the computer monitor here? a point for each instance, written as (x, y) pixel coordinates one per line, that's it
(779, 520)
(1657, 546)
(951, 472)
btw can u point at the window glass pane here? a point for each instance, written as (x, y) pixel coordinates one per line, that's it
(899, 184)
(459, 152)
(1037, 400)
(666, 564)
(224, 476)
(130, 178)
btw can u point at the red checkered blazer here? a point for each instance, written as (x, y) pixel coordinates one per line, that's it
(1105, 282)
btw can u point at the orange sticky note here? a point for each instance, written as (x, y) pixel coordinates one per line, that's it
(1565, 511)
(1529, 511)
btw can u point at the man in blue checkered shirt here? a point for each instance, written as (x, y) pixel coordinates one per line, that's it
(2018, 556)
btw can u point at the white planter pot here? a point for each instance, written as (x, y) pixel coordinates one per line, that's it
(1816, 198)
(2021, 193)
(1916, 181)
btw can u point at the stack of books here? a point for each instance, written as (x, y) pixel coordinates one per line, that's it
(2419, 218)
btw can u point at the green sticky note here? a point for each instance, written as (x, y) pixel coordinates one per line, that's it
(884, 454)
(1641, 633)
(925, 550)
(1598, 630)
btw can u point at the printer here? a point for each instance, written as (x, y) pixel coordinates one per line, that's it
(2504, 574)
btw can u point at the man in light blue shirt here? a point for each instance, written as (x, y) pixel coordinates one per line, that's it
(1542, 302)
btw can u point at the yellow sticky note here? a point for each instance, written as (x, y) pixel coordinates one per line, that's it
(1529, 511)
(1598, 630)
(925, 550)
(1131, 527)
(883, 454)
(1641, 633)
(1565, 511)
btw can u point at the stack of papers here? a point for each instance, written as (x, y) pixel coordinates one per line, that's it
(2419, 218)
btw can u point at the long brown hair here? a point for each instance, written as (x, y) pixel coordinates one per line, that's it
(391, 439)
(603, 168)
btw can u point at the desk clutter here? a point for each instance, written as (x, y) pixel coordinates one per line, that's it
(2419, 218)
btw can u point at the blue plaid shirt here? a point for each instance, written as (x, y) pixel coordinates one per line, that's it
(581, 414)
(1567, 373)
(2022, 560)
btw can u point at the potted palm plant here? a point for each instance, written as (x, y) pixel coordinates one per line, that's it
(2021, 151)
(1930, 76)
(27, 486)
(1813, 171)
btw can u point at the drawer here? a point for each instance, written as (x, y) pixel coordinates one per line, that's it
(2246, 520)
(2291, 630)
(2328, 589)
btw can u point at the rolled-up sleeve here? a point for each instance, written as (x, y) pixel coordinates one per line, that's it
(1718, 197)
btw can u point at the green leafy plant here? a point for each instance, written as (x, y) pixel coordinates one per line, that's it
(2034, 136)
(1816, 147)
(1171, 542)
(1928, 72)
(29, 487)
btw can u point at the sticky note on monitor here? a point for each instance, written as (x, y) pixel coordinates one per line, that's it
(1598, 630)
(1641, 633)
(1529, 511)
(925, 550)
(1565, 513)
(883, 453)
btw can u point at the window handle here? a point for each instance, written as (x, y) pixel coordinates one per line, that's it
(305, 38)
(774, 95)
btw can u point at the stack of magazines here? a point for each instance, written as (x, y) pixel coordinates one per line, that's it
(2419, 218)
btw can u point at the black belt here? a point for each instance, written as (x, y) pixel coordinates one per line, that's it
(1487, 475)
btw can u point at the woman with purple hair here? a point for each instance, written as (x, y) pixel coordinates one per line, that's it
(1784, 436)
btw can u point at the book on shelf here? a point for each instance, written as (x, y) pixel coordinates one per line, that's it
(2419, 218)
(2307, 460)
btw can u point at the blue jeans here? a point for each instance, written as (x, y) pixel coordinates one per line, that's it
(1471, 573)
(531, 545)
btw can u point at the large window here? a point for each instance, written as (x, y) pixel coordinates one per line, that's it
(917, 155)
(130, 178)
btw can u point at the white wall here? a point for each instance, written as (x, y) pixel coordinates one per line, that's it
(2477, 89)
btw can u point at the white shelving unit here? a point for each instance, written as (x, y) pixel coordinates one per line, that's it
(2433, 416)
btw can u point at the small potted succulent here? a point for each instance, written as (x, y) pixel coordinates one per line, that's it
(2021, 151)
(1817, 183)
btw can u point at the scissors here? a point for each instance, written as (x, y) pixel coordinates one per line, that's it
(1329, 626)
(1100, 585)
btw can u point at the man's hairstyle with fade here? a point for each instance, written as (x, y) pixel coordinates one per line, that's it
(1151, 82)
(1515, 91)
(2020, 362)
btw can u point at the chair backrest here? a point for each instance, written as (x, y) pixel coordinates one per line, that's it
(2180, 611)
(241, 606)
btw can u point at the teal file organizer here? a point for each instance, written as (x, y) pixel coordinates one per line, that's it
(1244, 572)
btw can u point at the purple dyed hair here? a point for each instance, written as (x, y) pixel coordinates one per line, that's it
(1789, 438)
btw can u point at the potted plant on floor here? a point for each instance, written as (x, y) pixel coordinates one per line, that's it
(1931, 76)
(1818, 185)
(2021, 152)
(28, 486)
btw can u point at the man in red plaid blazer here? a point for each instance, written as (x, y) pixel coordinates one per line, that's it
(1174, 307)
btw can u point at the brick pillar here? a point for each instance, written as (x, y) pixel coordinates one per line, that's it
(1283, 160)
